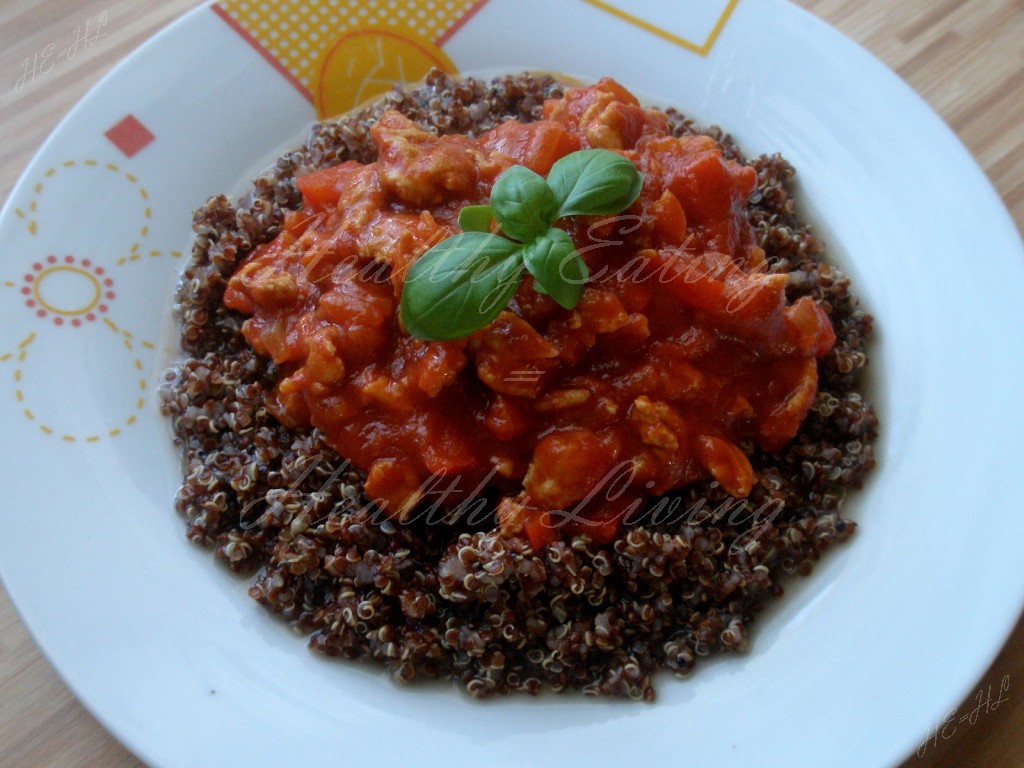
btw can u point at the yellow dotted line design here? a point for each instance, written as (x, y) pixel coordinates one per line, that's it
(46, 429)
(129, 337)
(129, 340)
(136, 254)
(33, 224)
(21, 349)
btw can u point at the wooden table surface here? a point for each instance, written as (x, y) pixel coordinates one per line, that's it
(966, 57)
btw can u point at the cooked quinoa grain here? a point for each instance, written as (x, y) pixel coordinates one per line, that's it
(460, 600)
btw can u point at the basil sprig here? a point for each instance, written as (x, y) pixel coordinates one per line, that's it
(463, 283)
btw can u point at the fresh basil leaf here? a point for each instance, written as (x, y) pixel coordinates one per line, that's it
(594, 182)
(476, 218)
(523, 203)
(501, 288)
(557, 268)
(460, 285)
(464, 282)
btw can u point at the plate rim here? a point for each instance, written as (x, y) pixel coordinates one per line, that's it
(1009, 621)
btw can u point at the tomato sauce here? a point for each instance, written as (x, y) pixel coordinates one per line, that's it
(682, 348)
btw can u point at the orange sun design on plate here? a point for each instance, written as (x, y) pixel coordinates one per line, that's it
(366, 62)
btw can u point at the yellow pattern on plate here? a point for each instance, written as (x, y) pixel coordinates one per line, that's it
(702, 48)
(343, 52)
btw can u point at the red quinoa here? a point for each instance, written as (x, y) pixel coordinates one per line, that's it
(462, 601)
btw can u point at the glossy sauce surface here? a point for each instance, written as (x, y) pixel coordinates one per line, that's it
(682, 347)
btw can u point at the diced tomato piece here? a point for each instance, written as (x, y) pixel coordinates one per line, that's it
(703, 186)
(539, 530)
(324, 187)
(603, 516)
(687, 278)
(809, 327)
(506, 418)
(535, 145)
(669, 219)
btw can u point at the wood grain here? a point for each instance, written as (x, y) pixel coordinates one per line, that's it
(965, 58)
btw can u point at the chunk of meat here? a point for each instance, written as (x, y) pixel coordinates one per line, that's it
(419, 169)
(569, 465)
(512, 357)
(727, 464)
(606, 114)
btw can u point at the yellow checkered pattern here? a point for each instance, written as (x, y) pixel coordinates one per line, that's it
(297, 33)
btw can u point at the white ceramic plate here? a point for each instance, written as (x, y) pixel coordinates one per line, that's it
(852, 669)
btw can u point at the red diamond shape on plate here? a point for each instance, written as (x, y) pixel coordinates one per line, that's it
(129, 135)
